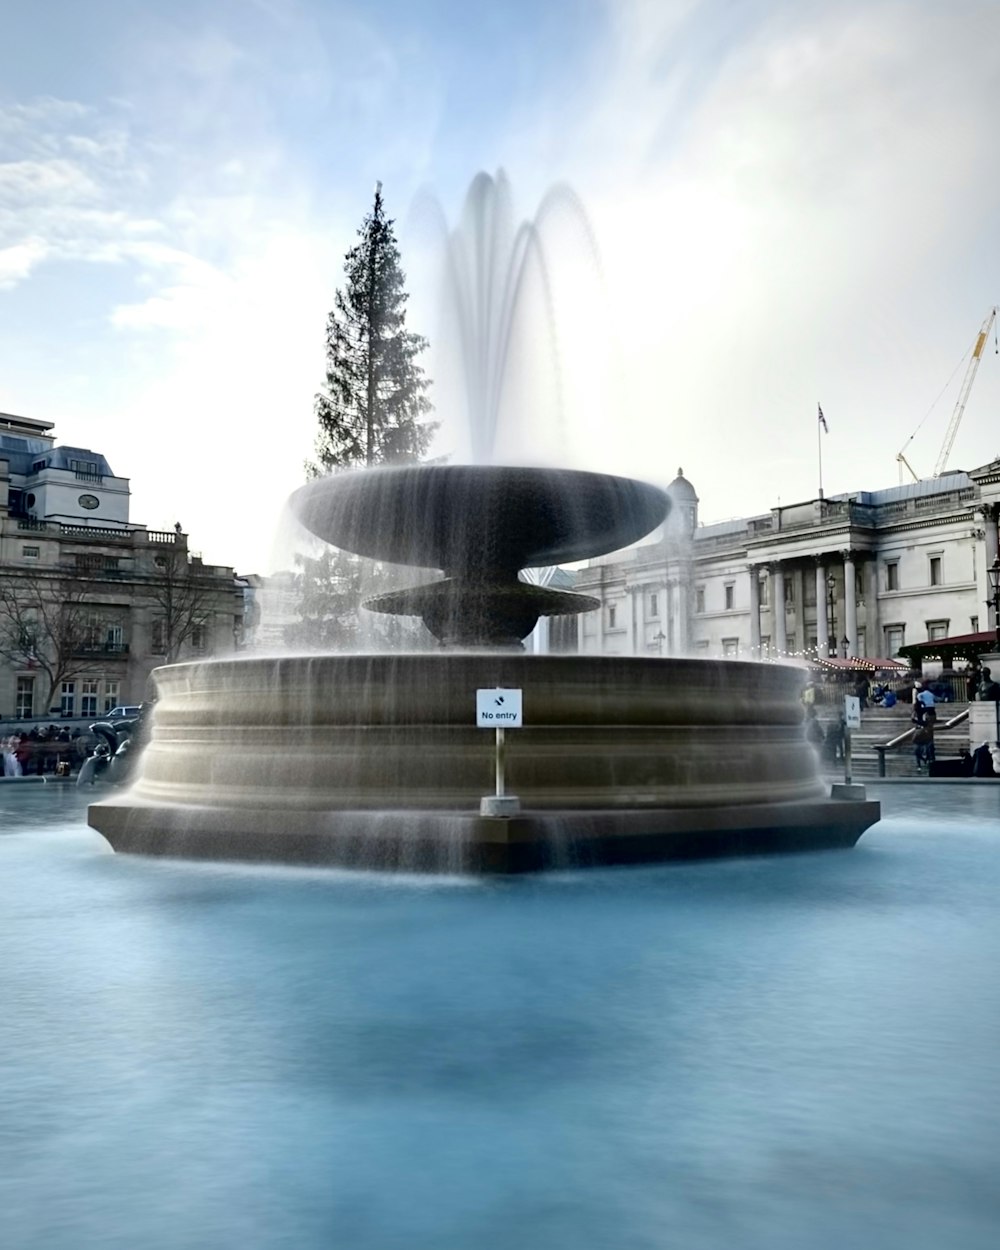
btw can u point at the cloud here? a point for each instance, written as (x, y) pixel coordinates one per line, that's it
(792, 210)
(17, 261)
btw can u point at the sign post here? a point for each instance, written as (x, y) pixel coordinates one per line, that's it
(852, 720)
(500, 710)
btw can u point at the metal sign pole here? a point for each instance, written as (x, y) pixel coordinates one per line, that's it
(501, 752)
(847, 756)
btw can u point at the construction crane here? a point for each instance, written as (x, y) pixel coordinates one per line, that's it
(956, 416)
(963, 394)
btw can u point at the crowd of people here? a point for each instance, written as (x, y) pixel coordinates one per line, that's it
(42, 750)
(923, 696)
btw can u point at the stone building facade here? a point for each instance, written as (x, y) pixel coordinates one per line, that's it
(115, 598)
(860, 574)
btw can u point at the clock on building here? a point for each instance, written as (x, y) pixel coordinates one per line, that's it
(89, 502)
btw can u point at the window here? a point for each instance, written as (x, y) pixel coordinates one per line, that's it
(895, 636)
(654, 605)
(88, 698)
(974, 624)
(765, 645)
(86, 470)
(67, 698)
(158, 641)
(24, 703)
(612, 616)
(699, 598)
(892, 575)
(936, 630)
(765, 591)
(730, 591)
(936, 574)
(730, 647)
(31, 553)
(92, 630)
(110, 695)
(862, 644)
(199, 636)
(114, 638)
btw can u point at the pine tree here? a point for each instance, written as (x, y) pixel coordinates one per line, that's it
(371, 411)
(372, 407)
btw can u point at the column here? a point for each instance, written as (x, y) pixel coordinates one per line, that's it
(850, 605)
(799, 574)
(822, 625)
(873, 623)
(778, 610)
(991, 514)
(754, 612)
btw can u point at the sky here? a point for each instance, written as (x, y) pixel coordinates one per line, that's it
(794, 203)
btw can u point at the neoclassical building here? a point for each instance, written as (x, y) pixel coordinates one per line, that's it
(859, 574)
(91, 602)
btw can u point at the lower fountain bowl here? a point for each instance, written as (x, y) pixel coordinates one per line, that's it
(375, 762)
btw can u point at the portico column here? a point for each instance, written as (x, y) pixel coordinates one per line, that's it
(754, 612)
(850, 605)
(822, 625)
(991, 514)
(778, 610)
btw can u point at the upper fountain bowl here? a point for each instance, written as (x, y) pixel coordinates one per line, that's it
(478, 520)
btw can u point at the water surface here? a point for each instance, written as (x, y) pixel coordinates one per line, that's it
(799, 1052)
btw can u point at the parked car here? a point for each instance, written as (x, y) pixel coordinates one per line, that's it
(124, 712)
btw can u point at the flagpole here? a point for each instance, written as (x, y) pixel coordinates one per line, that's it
(819, 449)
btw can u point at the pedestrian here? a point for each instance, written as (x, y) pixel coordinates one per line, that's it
(814, 730)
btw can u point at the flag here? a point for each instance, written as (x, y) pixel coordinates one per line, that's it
(822, 420)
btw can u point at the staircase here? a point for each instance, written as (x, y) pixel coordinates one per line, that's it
(880, 725)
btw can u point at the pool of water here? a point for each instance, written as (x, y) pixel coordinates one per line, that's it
(795, 1052)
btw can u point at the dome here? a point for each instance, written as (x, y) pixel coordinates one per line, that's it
(680, 489)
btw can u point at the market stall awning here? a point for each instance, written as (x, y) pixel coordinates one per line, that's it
(957, 647)
(859, 664)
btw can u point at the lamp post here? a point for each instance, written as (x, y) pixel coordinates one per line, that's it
(844, 644)
(993, 572)
(831, 617)
(660, 638)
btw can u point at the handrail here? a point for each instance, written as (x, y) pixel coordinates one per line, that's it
(881, 747)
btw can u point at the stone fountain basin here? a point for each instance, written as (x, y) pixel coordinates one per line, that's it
(375, 761)
(464, 518)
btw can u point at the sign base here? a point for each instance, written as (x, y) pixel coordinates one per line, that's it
(499, 805)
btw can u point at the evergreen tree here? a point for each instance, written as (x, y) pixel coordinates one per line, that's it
(372, 407)
(371, 411)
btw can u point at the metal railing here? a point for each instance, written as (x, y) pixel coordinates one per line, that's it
(880, 748)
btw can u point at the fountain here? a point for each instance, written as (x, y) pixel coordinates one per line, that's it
(376, 760)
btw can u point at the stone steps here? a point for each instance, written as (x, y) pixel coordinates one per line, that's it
(880, 725)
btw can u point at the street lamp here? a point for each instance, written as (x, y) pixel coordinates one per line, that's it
(660, 638)
(993, 572)
(844, 644)
(831, 617)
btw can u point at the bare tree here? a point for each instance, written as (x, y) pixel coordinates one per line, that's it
(46, 624)
(183, 594)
